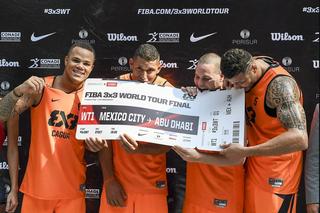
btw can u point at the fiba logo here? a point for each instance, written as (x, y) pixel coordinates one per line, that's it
(122, 61)
(5, 85)
(245, 33)
(83, 34)
(286, 61)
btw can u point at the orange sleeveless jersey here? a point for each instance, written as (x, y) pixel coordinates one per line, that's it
(215, 187)
(56, 167)
(277, 174)
(140, 173)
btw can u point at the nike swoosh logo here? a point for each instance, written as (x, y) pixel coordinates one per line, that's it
(54, 100)
(91, 164)
(141, 134)
(38, 38)
(196, 39)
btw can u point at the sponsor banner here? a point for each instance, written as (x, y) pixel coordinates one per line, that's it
(83, 37)
(36, 38)
(4, 87)
(5, 143)
(245, 39)
(164, 37)
(193, 65)
(7, 63)
(171, 117)
(122, 66)
(45, 63)
(4, 165)
(286, 37)
(287, 64)
(121, 37)
(183, 11)
(194, 38)
(169, 65)
(10, 36)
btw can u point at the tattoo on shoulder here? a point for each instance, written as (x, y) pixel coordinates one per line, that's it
(284, 95)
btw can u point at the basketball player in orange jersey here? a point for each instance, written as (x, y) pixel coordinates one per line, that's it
(11, 127)
(276, 131)
(211, 185)
(55, 174)
(135, 172)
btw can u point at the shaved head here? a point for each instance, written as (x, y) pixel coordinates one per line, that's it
(211, 58)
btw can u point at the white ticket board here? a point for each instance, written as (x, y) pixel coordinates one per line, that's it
(161, 115)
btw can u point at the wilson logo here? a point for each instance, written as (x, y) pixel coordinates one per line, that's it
(120, 37)
(286, 37)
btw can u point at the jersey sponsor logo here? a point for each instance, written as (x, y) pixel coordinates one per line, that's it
(286, 37)
(35, 38)
(60, 119)
(91, 164)
(276, 182)
(199, 38)
(160, 184)
(93, 193)
(220, 203)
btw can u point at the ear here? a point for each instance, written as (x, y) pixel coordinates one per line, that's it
(221, 77)
(254, 67)
(159, 68)
(131, 63)
(66, 60)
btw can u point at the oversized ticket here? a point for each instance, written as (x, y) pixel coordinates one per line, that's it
(161, 115)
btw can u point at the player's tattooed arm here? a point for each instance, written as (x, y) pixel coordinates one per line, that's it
(284, 94)
(22, 105)
(6, 106)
